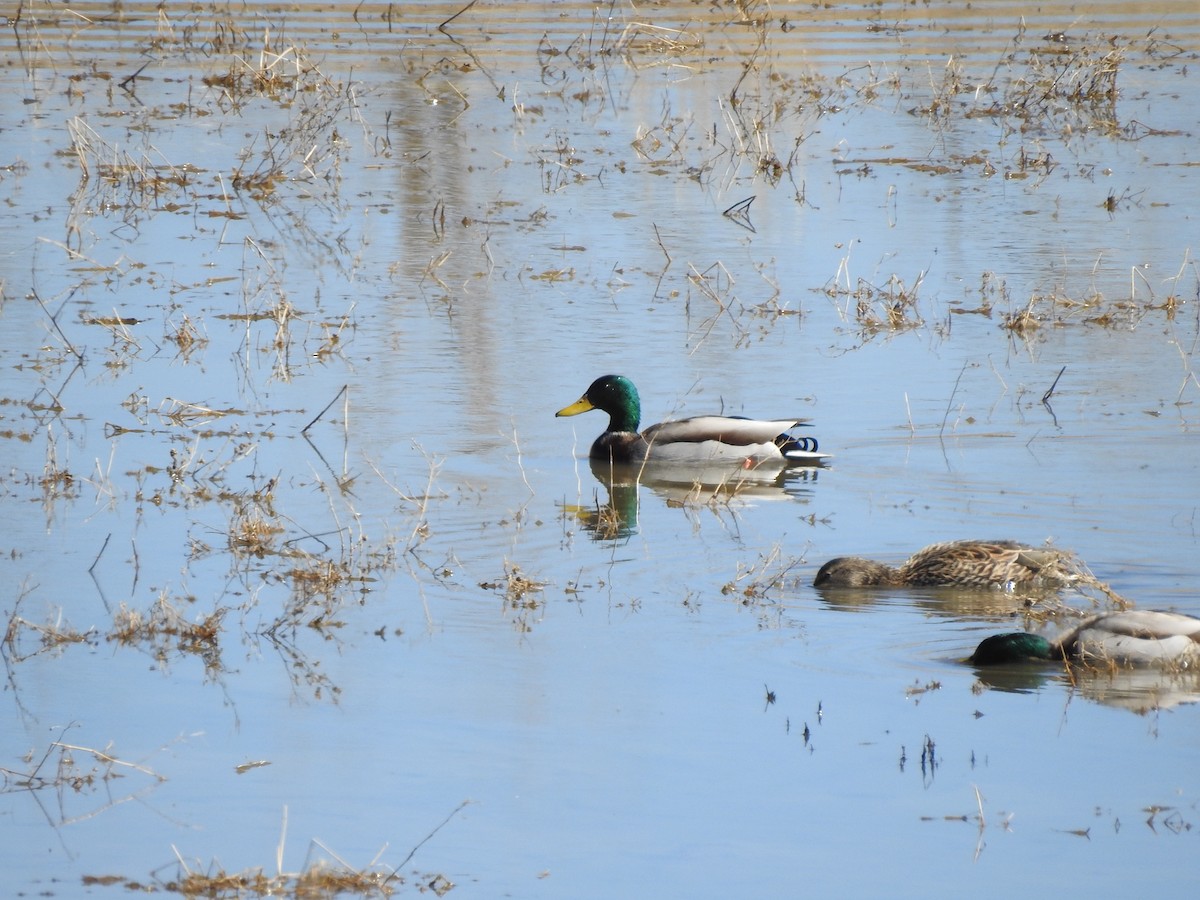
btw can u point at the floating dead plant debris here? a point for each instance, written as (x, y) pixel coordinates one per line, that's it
(119, 180)
(554, 276)
(252, 533)
(1173, 819)
(301, 670)
(992, 291)
(1060, 307)
(111, 321)
(740, 213)
(1023, 322)
(318, 880)
(253, 764)
(183, 413)
(646, 45)
(916, 689)
(164, 629)
(54, 634)
(186, 336)
(755, 581)
(326, 877)
(517, 587)
(1060, 310)
(1053, 87)
(660, 144)
(605, 521)
(890, 308)
(63, 769)
(521, 595)
(122, 174)
(320, 576)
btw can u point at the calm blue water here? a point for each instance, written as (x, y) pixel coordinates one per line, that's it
(498, 219)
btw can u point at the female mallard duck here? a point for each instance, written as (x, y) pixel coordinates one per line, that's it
(700, 439)
(961, 563)
(1131, 637)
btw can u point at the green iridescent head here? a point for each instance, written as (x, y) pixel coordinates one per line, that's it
(1013, 647)
(613, 394)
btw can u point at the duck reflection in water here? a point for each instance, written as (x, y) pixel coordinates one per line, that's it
(682, 486)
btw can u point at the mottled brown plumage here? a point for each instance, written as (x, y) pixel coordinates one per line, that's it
(962, 563)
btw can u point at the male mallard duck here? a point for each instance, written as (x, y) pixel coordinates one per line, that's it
(700, 439)
(962, 563)
(1131, 637)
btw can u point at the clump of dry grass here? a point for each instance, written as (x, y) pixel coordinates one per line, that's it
(56, 480)
(125, 175)
(1061, 307)
(755, 581)
(319, 576)
(1058, 309)
(53, 634)
(518, 587)
(164, 628)
(327, 877)
(186, 336)
(892, 307)
(521, 593)
(124, 179)
(59, 768)
(604, 521)
(1060, 84)
(302, 670)
(1082, 74)
(318, 880)
(252, 533)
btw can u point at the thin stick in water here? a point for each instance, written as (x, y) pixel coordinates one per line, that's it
(1050, 392)
(442, 27)
(413, 851)
(949, 402)
(345, 387)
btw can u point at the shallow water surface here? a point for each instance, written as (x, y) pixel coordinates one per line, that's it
(303, 570)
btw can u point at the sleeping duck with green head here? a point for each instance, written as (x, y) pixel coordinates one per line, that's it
(1134, 637)
(697, 440)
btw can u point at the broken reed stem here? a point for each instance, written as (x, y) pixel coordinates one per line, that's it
(103, 546)
(442, 27)
(442, 824)
(283, 825)
(103, 757)
(520, 462)
(345, 388)
(1050, 392)
(54, 322)
(950, 402)
(662, 246)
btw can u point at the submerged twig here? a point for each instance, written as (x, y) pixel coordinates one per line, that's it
(124, 83)
(1050, 391)
(345, 388)
(740, 213)
(442, 27)
(950, 402)
(413, 851)
(54, 322)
